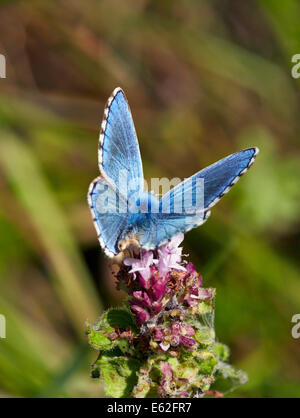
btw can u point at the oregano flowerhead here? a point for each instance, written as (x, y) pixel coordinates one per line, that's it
(162, 343)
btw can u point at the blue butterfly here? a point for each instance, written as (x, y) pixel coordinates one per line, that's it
(124, 213)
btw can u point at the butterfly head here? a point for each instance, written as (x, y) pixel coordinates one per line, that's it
(129, 246)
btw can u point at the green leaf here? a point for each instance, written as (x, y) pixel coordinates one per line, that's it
(119, 318)
(123, 345)
(205, 307)
(119, 374)
(207, 364)
(222, 351)
(99, 340)
(228, 378)
(205, 335)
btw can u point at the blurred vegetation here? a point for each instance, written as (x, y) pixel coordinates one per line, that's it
(204, 79)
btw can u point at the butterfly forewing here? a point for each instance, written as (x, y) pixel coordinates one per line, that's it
(119, 154)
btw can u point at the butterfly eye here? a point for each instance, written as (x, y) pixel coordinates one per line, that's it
(121, 245)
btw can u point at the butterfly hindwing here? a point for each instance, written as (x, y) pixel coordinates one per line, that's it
(109, 211)
(163, 227)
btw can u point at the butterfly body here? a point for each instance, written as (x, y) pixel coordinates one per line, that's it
(124, 214)
(136, 222)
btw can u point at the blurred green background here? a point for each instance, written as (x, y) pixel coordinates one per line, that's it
(204, 79)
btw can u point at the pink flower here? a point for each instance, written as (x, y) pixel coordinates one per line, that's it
(151, 290)
(169, 255)
(164, 346)
(141, 265)
(165, 369)
(186, 341)
(188, 330)
(142, 297)
(156, 307)
(194, 294)
(174, 335)
(183, 394)
(141, 314)
(158, 334)
(176, 327)
(204, 294)
(175, 340)
(157, 290)
(190, 269)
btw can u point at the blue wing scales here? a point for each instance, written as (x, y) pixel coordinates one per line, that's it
(119, 150)
(109, 211)
(118, 145)
(217, 180)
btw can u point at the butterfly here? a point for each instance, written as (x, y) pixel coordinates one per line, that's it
(123, 213)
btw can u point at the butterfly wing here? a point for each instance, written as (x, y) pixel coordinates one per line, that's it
(119, 155)
(222, 175)
(215, 180)
(122, 176)
(162, 227)
(187, 205)
(109, 212)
